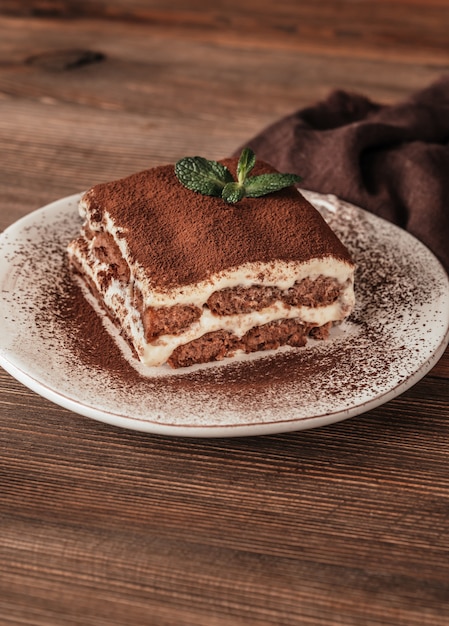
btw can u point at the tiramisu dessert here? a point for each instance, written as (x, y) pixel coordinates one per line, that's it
(194, 264)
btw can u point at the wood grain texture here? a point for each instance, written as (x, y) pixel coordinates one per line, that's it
(228, 531)
(367, 27)
(346, 525)
(164, 95)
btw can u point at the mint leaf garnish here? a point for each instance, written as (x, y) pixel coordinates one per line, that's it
(269, 183)
(233, 192)
(246, 163)
(200, 174)
(211, 178)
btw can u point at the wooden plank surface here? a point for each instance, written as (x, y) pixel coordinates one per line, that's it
(164, 95)
(344, 525)
(405, 28)
(103, 525)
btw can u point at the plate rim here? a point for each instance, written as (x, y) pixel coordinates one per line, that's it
(214, 430)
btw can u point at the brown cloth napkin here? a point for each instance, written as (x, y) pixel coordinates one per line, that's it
(391, 160)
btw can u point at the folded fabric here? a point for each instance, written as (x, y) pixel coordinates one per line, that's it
(390, 160)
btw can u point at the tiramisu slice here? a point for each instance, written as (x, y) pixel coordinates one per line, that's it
(189, 278)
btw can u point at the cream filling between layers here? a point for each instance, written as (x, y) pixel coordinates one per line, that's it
(159, 351)
(119, 299)
(282, 274)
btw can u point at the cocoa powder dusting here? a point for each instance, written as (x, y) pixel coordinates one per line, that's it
(398, 322)
(181, 237)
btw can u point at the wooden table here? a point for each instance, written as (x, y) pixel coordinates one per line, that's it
(347, 524)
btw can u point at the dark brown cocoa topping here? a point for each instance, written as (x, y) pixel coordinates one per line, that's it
(181, 237)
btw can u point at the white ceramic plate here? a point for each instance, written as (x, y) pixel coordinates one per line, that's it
(397, 332)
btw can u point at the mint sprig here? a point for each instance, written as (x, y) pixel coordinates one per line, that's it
(246, 163)
(199, 174)
(211, 178)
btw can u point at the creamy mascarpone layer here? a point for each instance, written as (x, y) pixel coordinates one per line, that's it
(158, 352)
(282, 274)
(119, 298)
